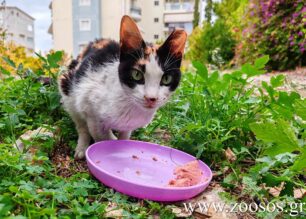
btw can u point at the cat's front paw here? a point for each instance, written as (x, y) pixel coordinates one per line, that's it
(79, 153)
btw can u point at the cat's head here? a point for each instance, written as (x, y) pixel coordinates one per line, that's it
(147, 73)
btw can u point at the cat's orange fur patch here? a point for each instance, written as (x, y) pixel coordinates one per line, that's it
(142, 62)
(130, 36)
(178, 42)
(99, 44)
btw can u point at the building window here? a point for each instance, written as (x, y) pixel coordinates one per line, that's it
(22, 36)
(84, 2)
(85, 24)
(156, 36)
(30, 39)
(30, 28)
(156, 19)
(133, 3)
(156, 3)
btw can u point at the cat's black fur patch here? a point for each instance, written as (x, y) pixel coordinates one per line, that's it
(97, 57)
(91, 56)
(127, 62)
(67, 79)
(73, 64)
(170, 64)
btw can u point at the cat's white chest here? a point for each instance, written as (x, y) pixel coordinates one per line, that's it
(127, 118)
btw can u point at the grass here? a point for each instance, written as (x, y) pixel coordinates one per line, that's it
(210, 113)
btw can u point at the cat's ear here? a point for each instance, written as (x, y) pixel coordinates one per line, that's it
(174, 44)
(130, 37)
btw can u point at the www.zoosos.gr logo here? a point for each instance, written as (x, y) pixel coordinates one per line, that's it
(294, 209)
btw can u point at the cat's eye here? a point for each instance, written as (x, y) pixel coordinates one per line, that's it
(137, 75)
(166, 79)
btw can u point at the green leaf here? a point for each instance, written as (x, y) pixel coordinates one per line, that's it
(282, 111)
(21, 112)
(4, 71)
(9, 61)
(41, 57)
(8, 109)
(54, 99)
(201, 69)
(280, 133)
(288, 189)
(250, 70)
(277, 81)
(268, 88)
(287, 99)
(237, 74)
(6, 205)
(54, 58)
(261, 62)
(191, 127)
(272, 180)
(300, 108)
(300, 163)
(20, 67)
(13, 119)
(249, 182)
(213, 77)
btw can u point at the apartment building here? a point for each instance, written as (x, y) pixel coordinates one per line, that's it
(161, 17)
(152, 20)
(19, 27)
(76, 22)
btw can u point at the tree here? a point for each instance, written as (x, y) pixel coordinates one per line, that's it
(196, 14)
(208, 10)
(213, 43)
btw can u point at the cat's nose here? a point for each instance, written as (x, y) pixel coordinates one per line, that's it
(150, 100)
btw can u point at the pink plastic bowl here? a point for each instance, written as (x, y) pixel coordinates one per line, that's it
(142, 169)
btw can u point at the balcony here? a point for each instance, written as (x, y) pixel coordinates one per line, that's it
(179, 7)
(135, 13)
(178, 17)
(178, 12)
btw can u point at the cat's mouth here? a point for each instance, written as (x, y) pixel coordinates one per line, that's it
(150, 105)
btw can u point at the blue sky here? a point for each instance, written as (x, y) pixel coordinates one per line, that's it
(39, 9)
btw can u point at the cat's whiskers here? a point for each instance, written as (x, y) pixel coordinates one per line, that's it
(137, 100)
(131, 54)
(174, 61)
(170, 69)
(140, 54)
(167, 57)
(171, 60)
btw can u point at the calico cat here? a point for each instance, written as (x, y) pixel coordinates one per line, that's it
(114, 86)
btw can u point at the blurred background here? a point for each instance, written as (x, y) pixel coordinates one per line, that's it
(222, 33)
